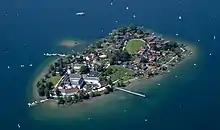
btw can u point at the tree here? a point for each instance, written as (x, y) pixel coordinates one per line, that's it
(69, 99)
(112, 60)
(171, 45)
(110, 82)
(106, 91)
(122, 29)
(110, 89)
(76, 98)
(84, 70)
(100, 68)
(92, 94)
(43, 80)
(53, 73)
(120, 83)
(52, 67)
(143, 60)
(57, 91)
(61, 100)
(125, 56)
(49, 85)
(132, 27)
(38, 84)
(98, 44)
(61, 73)
(41, 91)
(47, 92)
(109, 71)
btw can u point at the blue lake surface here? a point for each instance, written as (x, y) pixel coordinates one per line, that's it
(41, 24)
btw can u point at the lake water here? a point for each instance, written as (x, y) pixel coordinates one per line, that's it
(41, 24)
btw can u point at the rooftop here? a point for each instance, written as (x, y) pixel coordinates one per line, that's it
(86, 77)
(75, 76)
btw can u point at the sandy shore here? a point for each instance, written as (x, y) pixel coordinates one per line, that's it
(39, 73)
(69, 43)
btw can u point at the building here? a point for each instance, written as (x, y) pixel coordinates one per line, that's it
(94, 74)
(76, 80)
(92, 78)
(77, 66)
(69, 92)
(143, 48)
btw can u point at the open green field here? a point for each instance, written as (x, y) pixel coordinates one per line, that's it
(134, 45)
(119, 72)
(54, 79)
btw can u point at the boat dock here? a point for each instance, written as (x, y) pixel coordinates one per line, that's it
(34, 103)
(131, 92)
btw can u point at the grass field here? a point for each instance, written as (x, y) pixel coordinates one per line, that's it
(54, 79)
(134, 45)
(120, 73)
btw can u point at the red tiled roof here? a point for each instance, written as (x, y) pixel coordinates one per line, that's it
(71, 90)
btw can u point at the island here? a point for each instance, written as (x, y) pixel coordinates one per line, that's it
(127, 54)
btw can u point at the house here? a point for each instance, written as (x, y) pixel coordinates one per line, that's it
(76, 80)
(143, 48)
(69, 92)
(93, 74)
(103, 56)
(137, 60)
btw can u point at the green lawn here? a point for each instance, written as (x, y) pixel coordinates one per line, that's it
(120, 73)
(54, 79)
(134, 45)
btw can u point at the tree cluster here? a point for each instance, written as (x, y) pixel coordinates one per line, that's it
(45, 89)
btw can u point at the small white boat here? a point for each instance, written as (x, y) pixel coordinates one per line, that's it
(30, 65)
(210, 54)
(180, 17)
(214, 37)
(111, 3)
(177, 34)
(145, 119)
(8, 67)
(134, 16)
(19, 126)
(80, 13)
(127, 8)
(22, 66)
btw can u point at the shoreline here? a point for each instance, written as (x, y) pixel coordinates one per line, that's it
(42, 72)
(69, 43)
(53, 104)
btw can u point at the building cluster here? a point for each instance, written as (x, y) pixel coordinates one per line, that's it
(149, 59)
